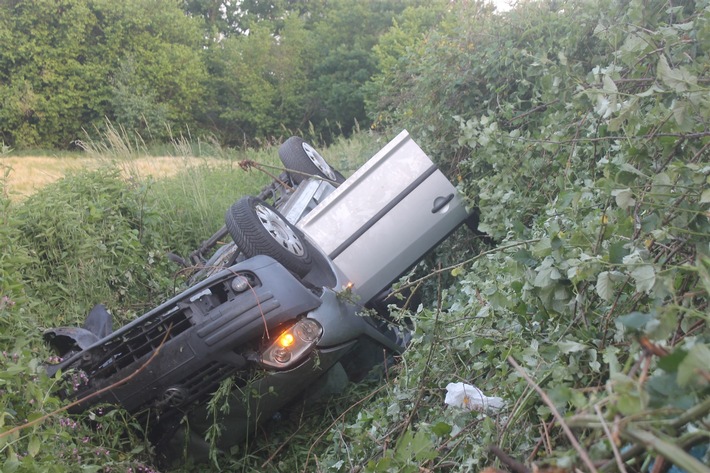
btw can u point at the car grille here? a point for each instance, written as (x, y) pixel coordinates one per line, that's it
(158, 328)
(140, 341)
(199, 386)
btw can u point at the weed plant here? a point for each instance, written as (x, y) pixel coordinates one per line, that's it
(348, 154)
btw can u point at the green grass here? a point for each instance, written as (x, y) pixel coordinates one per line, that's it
(193, 204)
(348, 154)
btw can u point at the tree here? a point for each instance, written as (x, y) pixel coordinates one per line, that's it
(158, 77)
(48, 79)
(311, 75)
(66, 65)
(217, 16)
(228, 18)
(343, 61)
(257, 82)
(394, 51)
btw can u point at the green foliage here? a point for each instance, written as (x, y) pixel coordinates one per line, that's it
(394, 52)
(66, 66)
(250, 76)
(579, 131)
(247, 74)
(343, 62)
(13, 258)
(192, 205)
(92, 227)
(298, 68)
(82, 241)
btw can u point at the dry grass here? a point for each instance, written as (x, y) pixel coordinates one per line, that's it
(29, 173)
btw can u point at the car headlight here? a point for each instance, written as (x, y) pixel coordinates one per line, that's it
(292, 345)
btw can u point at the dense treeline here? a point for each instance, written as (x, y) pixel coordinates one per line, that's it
(243, 72)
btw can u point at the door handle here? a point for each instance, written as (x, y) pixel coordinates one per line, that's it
(440, 202)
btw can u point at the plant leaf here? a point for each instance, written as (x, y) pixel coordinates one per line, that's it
(624, 198)
(605, 286)
(570, 346)
(693, 365)
(33, 446)
(677, 79)
(644, 276)
(635, 320)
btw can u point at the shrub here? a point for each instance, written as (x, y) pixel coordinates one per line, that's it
(33, 296)
(579, 131)
(93, 238)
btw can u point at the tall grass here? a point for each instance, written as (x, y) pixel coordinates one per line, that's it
(348, 154)
(114, 142)
(193, 203)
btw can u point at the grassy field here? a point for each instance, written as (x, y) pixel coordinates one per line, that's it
(26, 174)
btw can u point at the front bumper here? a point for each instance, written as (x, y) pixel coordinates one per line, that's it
(177, 353)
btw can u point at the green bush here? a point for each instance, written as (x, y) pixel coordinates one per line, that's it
(93, 238)
(51, 256)
(579, 131)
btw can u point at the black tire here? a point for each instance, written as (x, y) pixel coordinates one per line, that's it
(259, 229)
(302, 161)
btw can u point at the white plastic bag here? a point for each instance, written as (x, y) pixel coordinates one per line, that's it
(471, 398)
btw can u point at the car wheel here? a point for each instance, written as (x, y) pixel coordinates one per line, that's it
(301, 161)
(259, 229)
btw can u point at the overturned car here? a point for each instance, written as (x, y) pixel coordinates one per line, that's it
(276, 308)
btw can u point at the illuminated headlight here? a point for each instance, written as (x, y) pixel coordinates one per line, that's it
(293, 344)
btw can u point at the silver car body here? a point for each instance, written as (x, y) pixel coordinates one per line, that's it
(385, 217)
